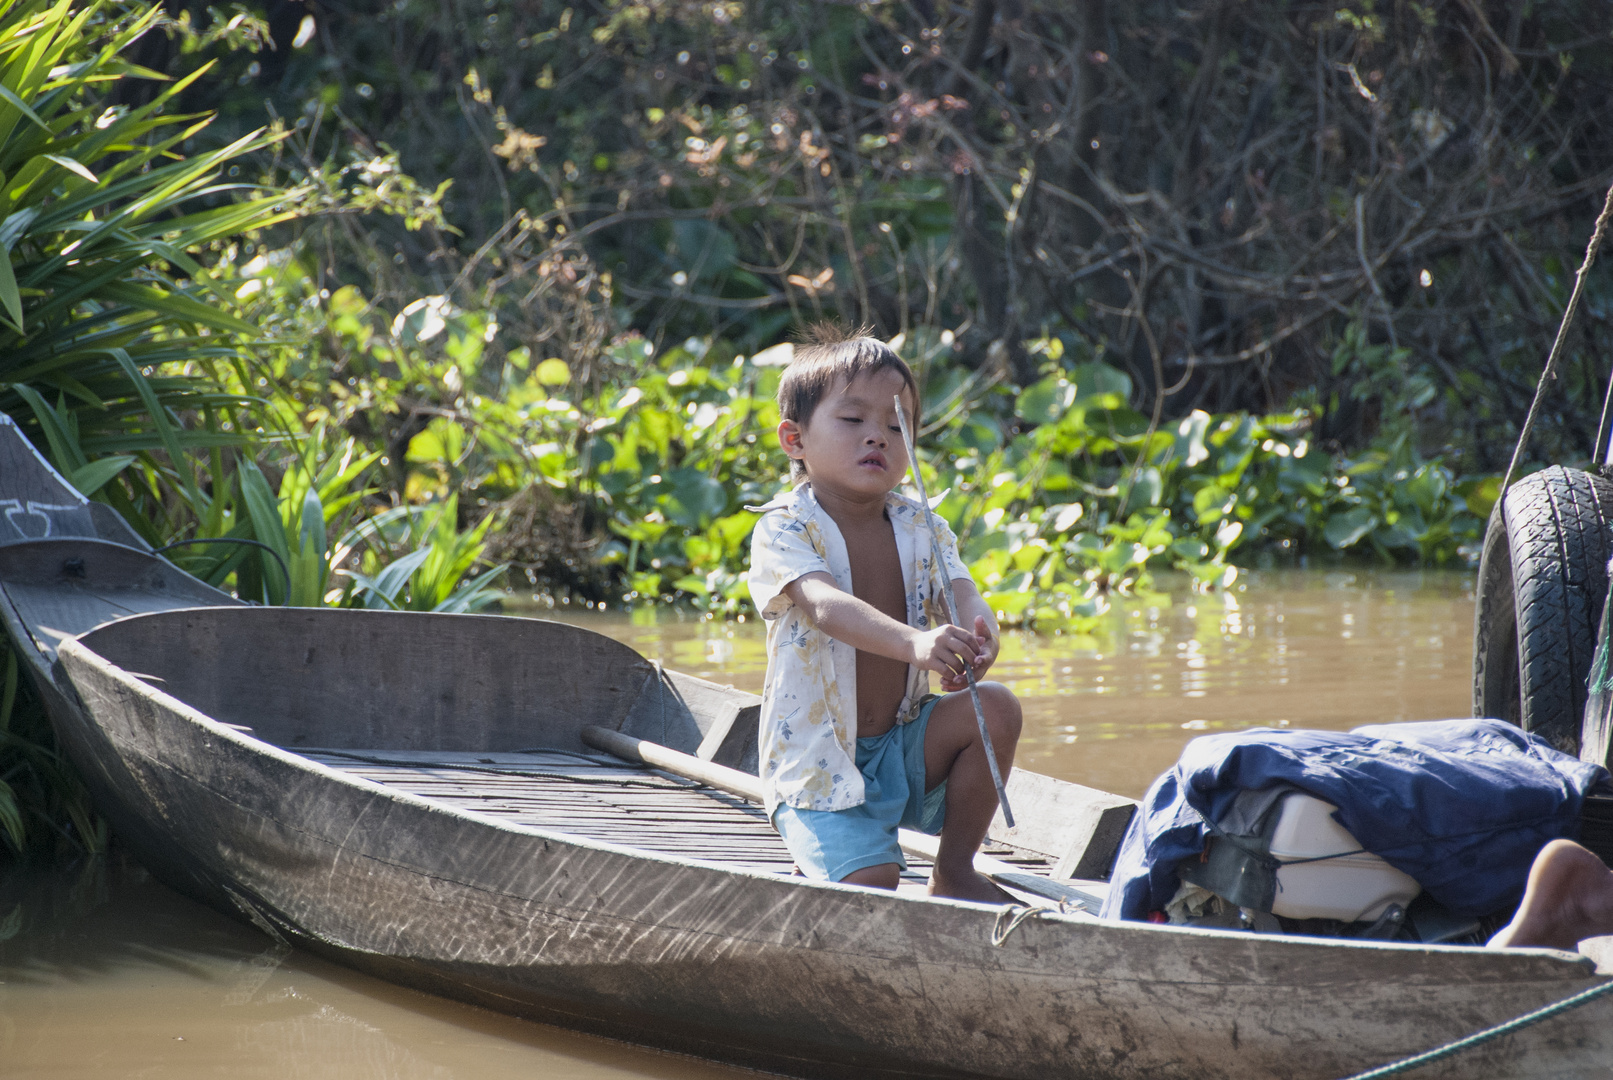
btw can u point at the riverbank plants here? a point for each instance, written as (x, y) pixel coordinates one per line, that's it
(630, 482)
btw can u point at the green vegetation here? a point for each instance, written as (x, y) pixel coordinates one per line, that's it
(120, 358)
(634, 489)
(101, 349)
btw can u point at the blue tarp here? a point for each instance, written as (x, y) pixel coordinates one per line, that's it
(1463, 806)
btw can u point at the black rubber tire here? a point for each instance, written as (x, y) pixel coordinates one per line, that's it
(1542, 584)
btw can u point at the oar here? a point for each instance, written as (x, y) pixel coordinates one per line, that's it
(937, 556)
(749, 787)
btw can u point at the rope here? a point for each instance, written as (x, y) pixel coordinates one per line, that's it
(284, 570)
(1268, 861)
(1008, 920)
(1550, 373)
(1417, 1061)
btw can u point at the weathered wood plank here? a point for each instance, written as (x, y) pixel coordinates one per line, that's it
(675, 818)
(502, 685)
(1080, 828)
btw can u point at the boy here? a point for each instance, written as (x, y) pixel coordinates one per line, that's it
(852, 744)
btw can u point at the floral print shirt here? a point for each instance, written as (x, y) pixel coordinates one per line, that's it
(807, 748)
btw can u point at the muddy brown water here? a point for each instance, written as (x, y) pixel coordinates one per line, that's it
(106, 974)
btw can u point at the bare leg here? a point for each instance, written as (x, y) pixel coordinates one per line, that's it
(953, 752)
(883, 876)
(1569, 898)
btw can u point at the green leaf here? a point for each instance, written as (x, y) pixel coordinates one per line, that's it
(696, 499)
(1063, 517)
(72, 166)
(11, 98)
(1480, 495)
(1147, 491)
(1427, 488)
(264, 513)
(64, 448)
(553, 372)
(476, 594)
(1104, 386)
(1044, 402)
(1190, 549)
(1190, 438)
(159, 418)
(94, 476)
(309, 570)
(1346, 529)
(386, 585)
(9, 296)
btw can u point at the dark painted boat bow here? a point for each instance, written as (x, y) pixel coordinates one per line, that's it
(365, 784)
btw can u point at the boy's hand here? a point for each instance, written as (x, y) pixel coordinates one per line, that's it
(986, 655)
(946, 649)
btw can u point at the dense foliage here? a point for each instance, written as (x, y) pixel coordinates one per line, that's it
(1207, 196)
(641, 188)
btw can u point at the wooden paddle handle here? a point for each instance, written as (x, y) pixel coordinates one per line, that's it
(746, 786)
(687, 766)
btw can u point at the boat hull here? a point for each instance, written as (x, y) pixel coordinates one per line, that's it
(758, 969)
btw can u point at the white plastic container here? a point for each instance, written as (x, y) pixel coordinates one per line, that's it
(1350, 887)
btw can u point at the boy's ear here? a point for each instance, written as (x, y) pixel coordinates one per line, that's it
(789, 438)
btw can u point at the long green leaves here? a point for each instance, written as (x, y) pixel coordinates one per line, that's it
(111, 337)
(99, 215)
(428, 577)
(40, 796)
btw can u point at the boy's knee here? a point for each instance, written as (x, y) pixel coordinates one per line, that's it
(1003, 713)
(880, 876)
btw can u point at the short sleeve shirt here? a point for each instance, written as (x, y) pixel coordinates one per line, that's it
(807, 744)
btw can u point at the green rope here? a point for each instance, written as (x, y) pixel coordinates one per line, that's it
(1584, 997)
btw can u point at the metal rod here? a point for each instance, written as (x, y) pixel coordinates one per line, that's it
(1550, 374)
(937, 556)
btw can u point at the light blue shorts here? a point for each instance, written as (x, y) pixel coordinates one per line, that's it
(829, 844)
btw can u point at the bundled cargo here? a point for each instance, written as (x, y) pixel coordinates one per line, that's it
(1416, 830)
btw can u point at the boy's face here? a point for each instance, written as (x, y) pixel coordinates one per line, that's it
(852, 444)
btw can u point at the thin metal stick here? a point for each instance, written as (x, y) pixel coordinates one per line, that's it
(1550, 373)
(937, 556)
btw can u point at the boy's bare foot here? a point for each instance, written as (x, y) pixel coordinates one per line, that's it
(953, 753)
(1569, 897)
(970, 886)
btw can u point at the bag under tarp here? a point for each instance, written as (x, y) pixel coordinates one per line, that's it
(1463, 806)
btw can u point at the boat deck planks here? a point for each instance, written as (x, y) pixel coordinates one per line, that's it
(615, 802)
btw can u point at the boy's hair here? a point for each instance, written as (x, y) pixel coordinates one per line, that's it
(830, 356)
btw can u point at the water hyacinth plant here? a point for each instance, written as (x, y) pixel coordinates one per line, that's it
(1062, 493)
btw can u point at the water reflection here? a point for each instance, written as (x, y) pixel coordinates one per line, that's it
(1113, 709)
(104, 973)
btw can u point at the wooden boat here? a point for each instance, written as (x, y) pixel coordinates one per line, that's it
(413, 795)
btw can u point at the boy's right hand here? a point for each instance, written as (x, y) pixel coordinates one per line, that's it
(948, 649)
